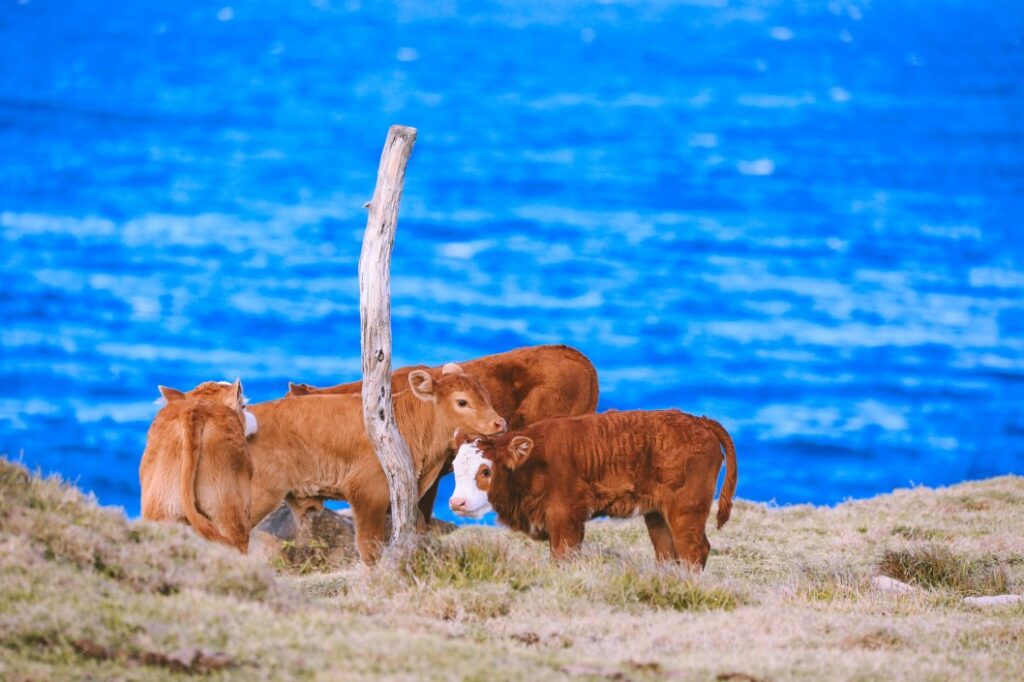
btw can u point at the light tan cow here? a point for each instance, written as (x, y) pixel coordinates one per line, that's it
(317, 447)
(525, 385)
(196, 468)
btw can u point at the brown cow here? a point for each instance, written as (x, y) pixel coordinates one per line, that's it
(525, 385)
(317, 447)
(547, 480)
(196, 468)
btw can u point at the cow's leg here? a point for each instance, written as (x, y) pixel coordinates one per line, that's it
(429, 496)
(301, 506)
(661, 537)
(223, 494)
(232, 515)
(686, 509)
(565, 533)
(426, 503)
(689, 538)
(235, 525)
(267, 493)
(370, 516)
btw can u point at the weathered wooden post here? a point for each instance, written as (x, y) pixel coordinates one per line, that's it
(375, 320)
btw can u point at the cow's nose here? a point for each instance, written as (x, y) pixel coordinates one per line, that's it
(457, 503)
(500, 424)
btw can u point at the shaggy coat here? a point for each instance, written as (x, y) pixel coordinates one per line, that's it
(195, 468)
(317, 447)
(525, 385)
(547, 480)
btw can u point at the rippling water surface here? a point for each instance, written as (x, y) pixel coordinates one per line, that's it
(803, 219)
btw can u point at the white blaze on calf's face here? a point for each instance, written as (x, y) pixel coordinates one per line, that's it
(471, 470)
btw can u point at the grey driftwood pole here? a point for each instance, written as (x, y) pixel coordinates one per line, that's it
(375, 320)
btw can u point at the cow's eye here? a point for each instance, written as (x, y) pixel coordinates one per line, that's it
(485, 472)
(461, 403)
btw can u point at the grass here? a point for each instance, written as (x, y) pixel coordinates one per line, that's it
(87, 594)
(939, 567)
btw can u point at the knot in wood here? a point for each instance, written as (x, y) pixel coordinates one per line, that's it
(380, 356)
(382, 415)
(383, 391)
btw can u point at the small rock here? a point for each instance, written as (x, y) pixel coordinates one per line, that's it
(318, 540)
(322, 540)
(996, 600)
(887, 584)
(280, 523)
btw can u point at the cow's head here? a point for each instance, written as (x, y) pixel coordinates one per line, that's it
(226, 393)
(475, 463)
(462, 401)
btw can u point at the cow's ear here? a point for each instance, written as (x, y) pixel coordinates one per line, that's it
(519, 449)
(235, 399)
(459, 439)
(297, 389)
(171, 394)
(422, 385)
(452, 368)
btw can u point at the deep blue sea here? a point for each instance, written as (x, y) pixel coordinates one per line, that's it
(803, 219)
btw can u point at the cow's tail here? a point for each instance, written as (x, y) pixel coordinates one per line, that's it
(192, 438)
(729, 486)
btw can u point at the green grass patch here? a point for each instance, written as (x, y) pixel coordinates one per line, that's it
(828, 583)
(467, 561)
(662, 588)
(917, 533)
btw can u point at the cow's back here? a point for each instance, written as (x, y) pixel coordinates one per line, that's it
(642, 444)
(538, 382)
(525, 384)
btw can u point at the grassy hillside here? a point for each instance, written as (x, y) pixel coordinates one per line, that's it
(85, 594)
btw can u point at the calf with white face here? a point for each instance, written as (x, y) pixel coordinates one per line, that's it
(473, 473)
(548, 479)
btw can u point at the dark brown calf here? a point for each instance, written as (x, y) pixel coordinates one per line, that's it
(548, 479)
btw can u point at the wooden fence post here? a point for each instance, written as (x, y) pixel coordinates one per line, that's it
(375, 321)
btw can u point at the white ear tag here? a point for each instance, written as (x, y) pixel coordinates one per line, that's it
(250, 423)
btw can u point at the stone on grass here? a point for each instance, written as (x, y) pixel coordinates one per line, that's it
(994, 600)
(886, 584)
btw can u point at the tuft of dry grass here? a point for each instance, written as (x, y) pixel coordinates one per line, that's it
(937, 566)
(87, 594)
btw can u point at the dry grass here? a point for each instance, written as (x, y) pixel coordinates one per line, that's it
(939, 567)
(85, 594)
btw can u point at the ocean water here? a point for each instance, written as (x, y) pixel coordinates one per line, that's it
(802, 219)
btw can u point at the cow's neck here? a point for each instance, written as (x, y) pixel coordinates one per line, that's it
(423, 427)
(515, 500)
